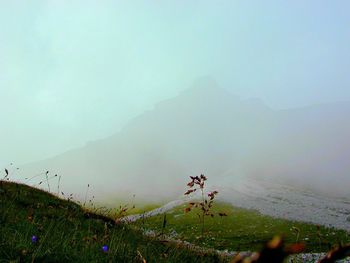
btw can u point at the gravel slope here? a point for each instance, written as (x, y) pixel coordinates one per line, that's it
(287, 202)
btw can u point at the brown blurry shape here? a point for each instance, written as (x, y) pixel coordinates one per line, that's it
(338, 253)
(274, 251)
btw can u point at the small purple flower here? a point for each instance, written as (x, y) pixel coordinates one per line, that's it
(105, 248)
(34, 239)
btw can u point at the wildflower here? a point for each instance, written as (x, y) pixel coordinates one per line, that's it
(105, 248)
(34, 239)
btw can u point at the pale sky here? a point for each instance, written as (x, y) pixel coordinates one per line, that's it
(74, 71)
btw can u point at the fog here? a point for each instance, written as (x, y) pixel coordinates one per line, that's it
(112, 93)
(206, 129)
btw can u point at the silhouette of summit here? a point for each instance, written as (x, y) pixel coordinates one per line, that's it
(206, 129)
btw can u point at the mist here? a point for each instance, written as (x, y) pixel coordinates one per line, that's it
(112, 94)
(206, 129)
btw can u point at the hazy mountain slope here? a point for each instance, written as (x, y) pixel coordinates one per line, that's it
(309, 147)
(208, 130)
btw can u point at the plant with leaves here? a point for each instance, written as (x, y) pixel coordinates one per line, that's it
(206, 201)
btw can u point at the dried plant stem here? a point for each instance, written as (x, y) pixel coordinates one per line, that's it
(58, 185)
(47, 181)
(86, 193)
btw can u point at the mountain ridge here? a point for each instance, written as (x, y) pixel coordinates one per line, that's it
(189, 134)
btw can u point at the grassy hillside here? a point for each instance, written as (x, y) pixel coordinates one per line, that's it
(37, 226)
(243, 230)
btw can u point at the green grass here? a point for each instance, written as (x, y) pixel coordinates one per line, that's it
(243, 230)
(68, 233)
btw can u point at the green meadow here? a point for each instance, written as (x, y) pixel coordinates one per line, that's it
(63, 231)
(36, 226)
(242, 229)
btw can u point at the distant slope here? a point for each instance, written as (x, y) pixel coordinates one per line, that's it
(208, 130)
(290, 203)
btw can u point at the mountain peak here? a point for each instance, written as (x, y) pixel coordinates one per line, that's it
(207, 87)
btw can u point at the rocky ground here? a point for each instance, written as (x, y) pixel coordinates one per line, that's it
(288, 202)
(280, 201)
(276, 200)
